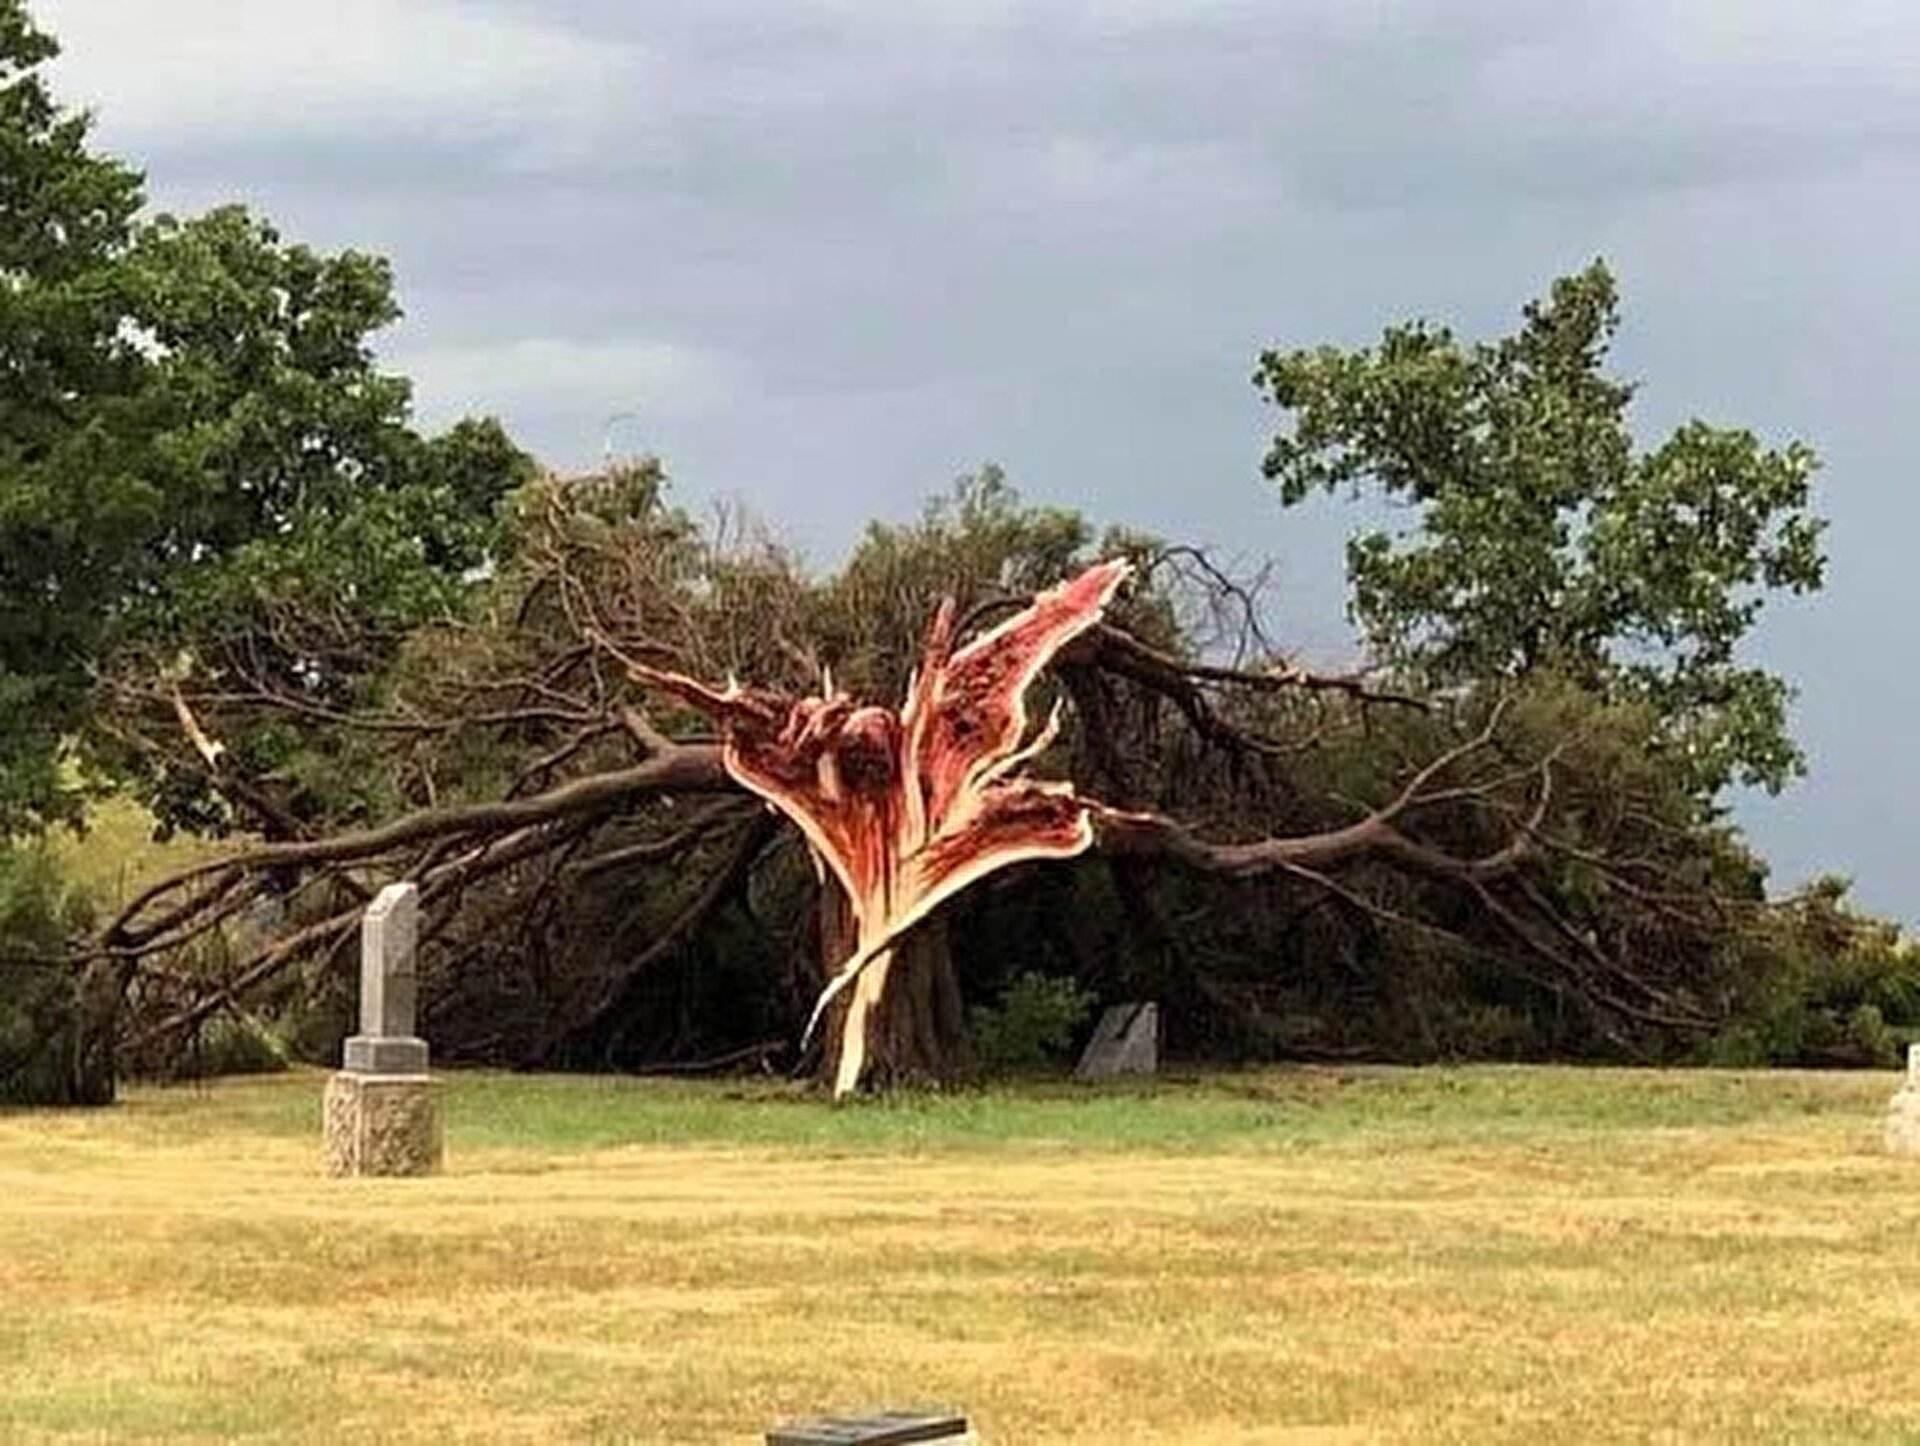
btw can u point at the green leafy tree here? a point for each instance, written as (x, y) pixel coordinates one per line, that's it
(308, 530)
(65, 219)
(1544, 541)
(208, 489)
(204, 476)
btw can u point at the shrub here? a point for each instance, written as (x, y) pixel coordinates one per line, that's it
(55, 1049)
(1032, 1026)
(1830, 986)
(233, 1044)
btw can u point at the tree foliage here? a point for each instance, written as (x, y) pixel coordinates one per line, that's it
(194, 434)
(65, 219)
(208, 487)
(1541, 539)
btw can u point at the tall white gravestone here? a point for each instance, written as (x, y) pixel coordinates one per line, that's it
(381, 1115)
(1903, 1110)
(389, 934)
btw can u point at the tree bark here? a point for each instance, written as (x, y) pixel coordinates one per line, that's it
(906, 1007)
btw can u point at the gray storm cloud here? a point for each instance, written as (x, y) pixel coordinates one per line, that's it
(831, 254)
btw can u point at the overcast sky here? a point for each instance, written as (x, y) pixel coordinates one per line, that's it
(829, 254)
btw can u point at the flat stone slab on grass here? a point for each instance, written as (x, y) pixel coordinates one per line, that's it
(882, 1428)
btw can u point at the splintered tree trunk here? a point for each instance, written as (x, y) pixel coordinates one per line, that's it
(907, 808)
(902, 1020)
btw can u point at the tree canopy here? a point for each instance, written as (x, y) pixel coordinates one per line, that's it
(1541, 539)
(194, 432)
(66, 216)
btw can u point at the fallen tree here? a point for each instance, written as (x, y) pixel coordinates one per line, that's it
(623, 832)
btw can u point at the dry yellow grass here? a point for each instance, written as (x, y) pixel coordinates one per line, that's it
(1485, 1255)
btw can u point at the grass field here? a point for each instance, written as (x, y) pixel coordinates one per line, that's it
(1300, 1255)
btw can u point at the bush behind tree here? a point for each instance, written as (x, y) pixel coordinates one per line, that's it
(52, 1051)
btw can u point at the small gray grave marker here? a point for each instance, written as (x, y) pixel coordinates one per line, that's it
(881, 1428)
(1126, 1041)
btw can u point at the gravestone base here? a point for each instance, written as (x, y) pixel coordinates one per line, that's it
(381, 1125)
(375, 1054)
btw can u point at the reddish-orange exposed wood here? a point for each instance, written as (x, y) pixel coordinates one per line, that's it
(907, 809)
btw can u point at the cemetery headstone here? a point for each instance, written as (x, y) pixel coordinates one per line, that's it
(1903, 1110)
(1126, 1041)
(881, 1428)
(389, 934)
(381, 1117)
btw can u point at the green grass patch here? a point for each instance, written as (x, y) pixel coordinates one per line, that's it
(1277, 1109)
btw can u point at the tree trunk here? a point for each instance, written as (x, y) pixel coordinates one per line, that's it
(902, 1021)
